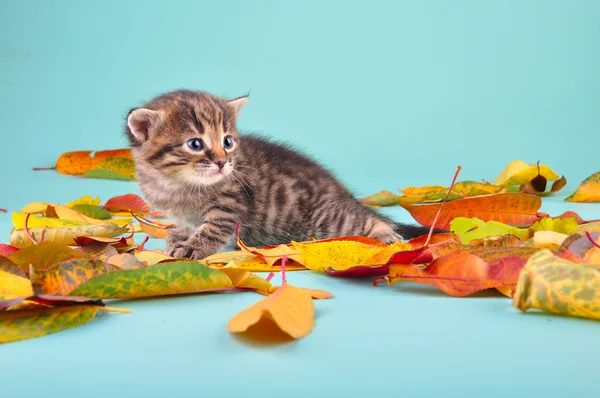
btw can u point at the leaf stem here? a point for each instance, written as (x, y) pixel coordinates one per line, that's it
(3, 210)
(27, 229)
(458, 168)
(591, 238)
(44, 168)
(113, 309)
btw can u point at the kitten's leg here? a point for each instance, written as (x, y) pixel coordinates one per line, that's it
(177, 239)
(382, 231)
(213, 235)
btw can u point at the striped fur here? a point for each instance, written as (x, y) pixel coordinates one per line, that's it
(277, 193)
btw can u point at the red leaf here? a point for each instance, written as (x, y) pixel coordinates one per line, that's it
(126, 203)
(361, 271)
(45, 301)
(7, 250)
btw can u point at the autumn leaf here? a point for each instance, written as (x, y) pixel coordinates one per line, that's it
(21, 325)
(78, 162)
(12, 286)
(92, 211)
(113, 169)
(587, 191)
(69, 214)
(383, 198)
(242, 279)
(63, 236)
(62, 278)
(257, 264)
(460, 274)
(341, 255)
(554, 285)
(7, 250)
(84, 200)
(518, 172)
(510, 208)
(44, 255)
(473, 228)
(286, 313)
(151, 257)
(127, 203)
(171, 278)
(125, 261)
(7, 265)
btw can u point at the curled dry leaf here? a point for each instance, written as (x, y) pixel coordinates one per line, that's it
(63, 236)
(518, 172)
(588, 190)
(555, 285)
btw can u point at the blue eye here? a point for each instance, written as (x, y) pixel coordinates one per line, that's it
(228, 142)
(195, 144)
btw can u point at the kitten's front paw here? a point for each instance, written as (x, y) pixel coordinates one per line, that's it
(191, 252)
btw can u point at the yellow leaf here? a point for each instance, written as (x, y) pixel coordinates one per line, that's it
(227, 257)
(64, 235)
(289, 310)
(554, 285)
(423, 191)
(588, 190)
(67, 214)
(18, 221)
(35, 208)
(345, 254)
(257, 264)
(151, 257)
(518, 172)
(85, 200)
(592, 256)
(13, 286)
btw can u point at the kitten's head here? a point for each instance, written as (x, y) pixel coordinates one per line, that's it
(186, 136)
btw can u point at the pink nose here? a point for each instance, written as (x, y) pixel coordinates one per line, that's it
(220, 163)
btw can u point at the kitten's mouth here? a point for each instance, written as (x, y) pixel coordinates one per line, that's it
(212, 175)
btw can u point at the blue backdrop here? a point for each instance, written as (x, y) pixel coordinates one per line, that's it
(387, 94)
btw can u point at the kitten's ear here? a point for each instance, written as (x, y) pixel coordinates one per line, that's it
(141, 121)
(237, 104)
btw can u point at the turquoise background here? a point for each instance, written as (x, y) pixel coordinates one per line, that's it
(385, 93)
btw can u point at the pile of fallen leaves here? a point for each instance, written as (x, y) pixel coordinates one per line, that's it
(64, 260)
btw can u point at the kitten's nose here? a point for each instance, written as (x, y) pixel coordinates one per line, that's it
(220, 163)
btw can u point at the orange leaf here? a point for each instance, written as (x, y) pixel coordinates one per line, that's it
(517, 209)
(461, 274)
(76, 162)
(289, 310)
(62, 278)
(153, 231)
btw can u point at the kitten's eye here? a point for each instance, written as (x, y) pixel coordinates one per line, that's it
(195, 144)
(228, 142)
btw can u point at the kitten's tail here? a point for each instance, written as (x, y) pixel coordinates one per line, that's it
(408, 231)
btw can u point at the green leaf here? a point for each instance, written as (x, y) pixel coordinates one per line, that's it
(113, 169)
(158, 280)
(96, 212)
(382, 198)
(44, 255)
(560, 225)
(555, 285)
(469, 229)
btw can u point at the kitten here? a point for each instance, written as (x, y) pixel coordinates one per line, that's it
(193, 164)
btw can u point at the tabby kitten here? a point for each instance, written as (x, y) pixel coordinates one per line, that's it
(193, 164)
